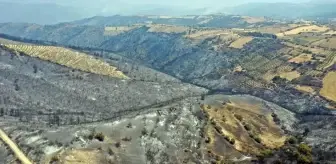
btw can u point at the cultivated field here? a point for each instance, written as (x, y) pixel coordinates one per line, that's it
(305, 89)
(329, 86)
(306, 28)
(68, 58)
(290, 75)
(326, 43)
(327, 62)
(301, 58)
(115, 30)
(239, 43)
(253, 20)
(168, 28)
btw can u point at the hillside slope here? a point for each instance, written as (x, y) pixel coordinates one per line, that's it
(274, 69)
(199, 63)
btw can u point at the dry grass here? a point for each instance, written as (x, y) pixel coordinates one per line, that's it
(301, 58)
(253, 19)
(115, 30)
(275, 29)
(82, 156)
(238, 69)
(69, 58)
(306, 28)
(330, 107)
(290, 75)
(170, 17)
(326, 43)
(260, 121)
(331, 32)
(167, 28)
(329, 86)
(284, 71)
(205, 33)
(305, 89)
(239, 43)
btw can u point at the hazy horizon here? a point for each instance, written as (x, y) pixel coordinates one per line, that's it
(134, 7)
(54, 11)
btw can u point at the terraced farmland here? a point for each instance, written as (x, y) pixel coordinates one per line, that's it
(328, 62)
(68, 58)
(262, 68)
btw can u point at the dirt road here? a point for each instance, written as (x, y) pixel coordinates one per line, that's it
(18, 153)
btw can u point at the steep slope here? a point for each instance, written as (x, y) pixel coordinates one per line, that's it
(199, 63)
(42, 98)
(32, 86)
(68, 58)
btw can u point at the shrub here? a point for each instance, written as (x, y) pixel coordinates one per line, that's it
(224, 119)
(305, 149)
(307, 52)
(54, 159)
(292, 140)
(110, 151)
(17, 87)
(144, 132)
(99, 136)
(306, 131)
(257, 139)
(227, 138)
(35, 68)
(91, 136)
(302, 159)
(208, 140)
(117, 144)
(127, 139)
(265, 154)
(129, 125)
(218, 129)
(274, 115)
(247, 127)
(230, 108)
(239, 117)
(232, 141)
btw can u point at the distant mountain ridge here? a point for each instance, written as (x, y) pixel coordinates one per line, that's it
(44, 13)
(286, 10)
